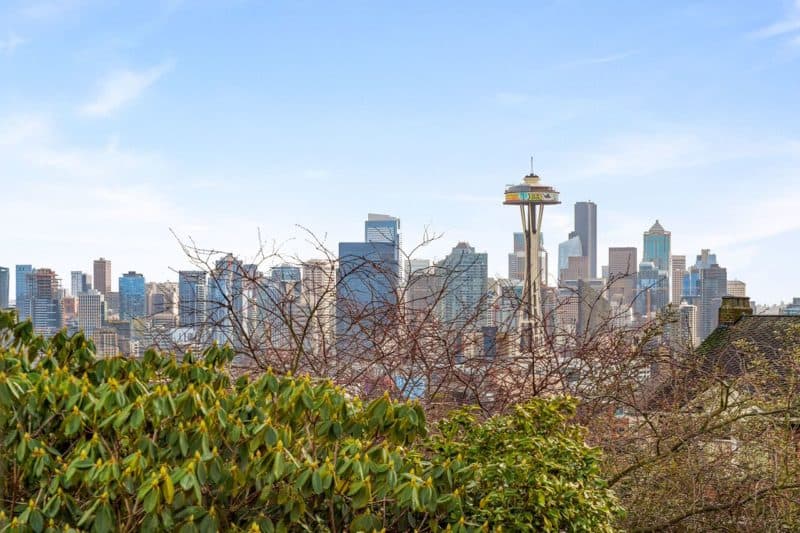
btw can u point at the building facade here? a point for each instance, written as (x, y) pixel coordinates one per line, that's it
(737, 288)
(586, 229)
(678, 272)
(47, 312)
(622, 270)
(132, 296)
(102, 275)
(657, 246)
(24, 291)
(464, 279)
(4, 287)
(192, 296)
(91, 306)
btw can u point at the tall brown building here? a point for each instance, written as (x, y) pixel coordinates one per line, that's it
(622, 268)
(102, 275)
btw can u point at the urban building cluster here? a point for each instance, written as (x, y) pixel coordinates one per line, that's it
(338, 301)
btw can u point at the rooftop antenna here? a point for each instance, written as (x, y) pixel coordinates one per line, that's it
(531, 164)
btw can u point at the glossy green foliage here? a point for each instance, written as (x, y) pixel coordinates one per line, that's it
(530, 470)
(160, 444)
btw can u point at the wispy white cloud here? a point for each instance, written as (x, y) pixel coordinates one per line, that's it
(610, 58)
(789, 24)
(11, 43)
(122, 87)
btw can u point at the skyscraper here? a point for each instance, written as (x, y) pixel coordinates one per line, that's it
(464, 275)
(657, 243)
(90, 311)
(569, 248)
(102, 275)
(192, 296)
(131, 296)
(288, 279)
(24, 291)
(586, 229)
(226, 299)
(4, 287)
(622, 277)
(366, 293)
(318, 291)
(385, 228)
(516, 259)
(79, 282)
(652, 292)
(46, 302)
(713, 286)
(161, 297)
(704, 286)
(678, 271)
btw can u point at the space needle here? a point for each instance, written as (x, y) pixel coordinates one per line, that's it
(531, 196)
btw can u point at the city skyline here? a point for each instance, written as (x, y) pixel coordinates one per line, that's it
(293, 120)
(113, 282)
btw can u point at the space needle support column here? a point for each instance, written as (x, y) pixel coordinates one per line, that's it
(530, 194)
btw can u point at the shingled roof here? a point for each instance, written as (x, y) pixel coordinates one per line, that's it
(730, 348)
(740, 343)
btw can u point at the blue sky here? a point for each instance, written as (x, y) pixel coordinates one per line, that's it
(121, 121)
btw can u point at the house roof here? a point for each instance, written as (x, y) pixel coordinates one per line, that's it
(731, 348)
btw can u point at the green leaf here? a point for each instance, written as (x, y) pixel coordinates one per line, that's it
(104, 521)
(316, 482)
(278, 465)
(169, 490)
(36, 521)
(151, 500)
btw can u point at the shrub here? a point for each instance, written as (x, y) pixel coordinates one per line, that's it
(159, 443)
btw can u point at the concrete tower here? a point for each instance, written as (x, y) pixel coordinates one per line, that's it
(531, 196)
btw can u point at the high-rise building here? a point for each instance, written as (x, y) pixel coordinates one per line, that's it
(288, 278)
(678, 271)
(91, 307)
(737, 288)
(570, 248)
(704, 286)
(577, 269)
(586, 229)
(79, 282)
(23, 298)
(516, 259)
(102, 275)
(226, 299)
(657, 246)
(652, 293)
(622, 277)
(161, 297)
(385, 228)
(681, 328)
(192, 296)
(318, 291)
(4, 287)
(465, 281)
(46, 302)
(366, 293)
(131, 296)
(106, 342)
